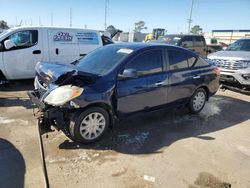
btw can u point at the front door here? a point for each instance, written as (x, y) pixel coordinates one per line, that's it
(146, 91)
(20, 61)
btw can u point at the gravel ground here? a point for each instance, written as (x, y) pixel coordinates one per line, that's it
(170, 148)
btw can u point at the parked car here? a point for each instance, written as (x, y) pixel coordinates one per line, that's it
(119, 80)
(234, 64)
(195, 43)
(22, 47)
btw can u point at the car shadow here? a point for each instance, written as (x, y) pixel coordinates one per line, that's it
(12, 165)
(147, 134)
(14, 94)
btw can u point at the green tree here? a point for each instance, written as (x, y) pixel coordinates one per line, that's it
(111, 29)
(139, 26)
(3, 25)
(196, 29)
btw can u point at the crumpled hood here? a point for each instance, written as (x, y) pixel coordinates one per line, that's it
(61, 74)
(230, 55)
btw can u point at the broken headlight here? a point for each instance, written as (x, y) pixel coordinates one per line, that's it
(63, 94)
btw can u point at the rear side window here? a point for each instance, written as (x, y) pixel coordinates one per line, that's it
(201, 62)
(149, 62)
(177, 60)
(191, 60)
(199, 41)
(24, 39)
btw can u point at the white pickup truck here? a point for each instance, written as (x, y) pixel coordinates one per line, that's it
(22, 47)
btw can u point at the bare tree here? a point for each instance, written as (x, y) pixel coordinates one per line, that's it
(139, 26)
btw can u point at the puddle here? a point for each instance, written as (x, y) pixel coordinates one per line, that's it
(135, 141)
(210, 109)
(207, 180)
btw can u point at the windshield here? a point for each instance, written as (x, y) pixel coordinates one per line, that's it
(103, 59)
(170, 39)
(4, 31)
(240, 45)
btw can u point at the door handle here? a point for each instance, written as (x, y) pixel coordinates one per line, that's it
(57, 51)
(37, 52)
(196, 77)
(159, 83)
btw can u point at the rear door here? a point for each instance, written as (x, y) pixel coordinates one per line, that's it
(181, 76)
(63, 45)
(149, 89)
(20, 61)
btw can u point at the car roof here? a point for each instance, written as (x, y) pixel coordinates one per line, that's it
(247, 38)
(141, 46)
(184, 35)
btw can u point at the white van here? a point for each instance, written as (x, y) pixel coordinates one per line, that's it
(22, 47)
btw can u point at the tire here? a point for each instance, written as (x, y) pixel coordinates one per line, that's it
(198, 101)
(89, 125)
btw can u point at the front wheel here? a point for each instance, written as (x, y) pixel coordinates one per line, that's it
(88, 126)
(198, 101)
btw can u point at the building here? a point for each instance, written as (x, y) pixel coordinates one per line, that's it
(228, 36)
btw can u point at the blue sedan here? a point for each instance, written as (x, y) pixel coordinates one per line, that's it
(119, 80)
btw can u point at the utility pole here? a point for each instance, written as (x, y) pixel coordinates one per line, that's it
(40, 22)
(106, 12)
(16, 20)
(190, 16)
(70, 17)
(51, 19)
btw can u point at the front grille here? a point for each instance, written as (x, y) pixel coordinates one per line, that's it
(231, 64)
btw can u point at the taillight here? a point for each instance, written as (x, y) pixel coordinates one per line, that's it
(216, 70)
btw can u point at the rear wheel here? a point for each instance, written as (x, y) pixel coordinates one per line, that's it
(88, 126)
(198, 101)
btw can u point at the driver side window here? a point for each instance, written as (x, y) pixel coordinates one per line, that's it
(149, 62)
(24, 39)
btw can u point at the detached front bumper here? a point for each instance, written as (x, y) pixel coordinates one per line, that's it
(34, 97)
(49, 115)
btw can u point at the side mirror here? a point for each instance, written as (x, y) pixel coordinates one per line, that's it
(8, 44)
(128, 73)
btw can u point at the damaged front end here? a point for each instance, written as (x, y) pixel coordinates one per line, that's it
(56, 88)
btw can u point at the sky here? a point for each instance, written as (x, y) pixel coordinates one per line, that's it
(169, 14)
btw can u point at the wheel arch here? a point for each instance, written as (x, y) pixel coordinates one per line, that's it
(206, 89)
(106, 107)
